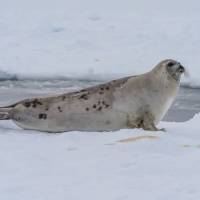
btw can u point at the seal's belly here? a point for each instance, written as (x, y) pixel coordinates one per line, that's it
(69, 121)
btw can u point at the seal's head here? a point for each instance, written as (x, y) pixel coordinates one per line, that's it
(172, 67)
(175, 69)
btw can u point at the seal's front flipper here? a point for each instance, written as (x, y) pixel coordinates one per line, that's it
(148, 123)
(145, 122)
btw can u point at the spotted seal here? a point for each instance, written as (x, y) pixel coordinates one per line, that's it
(131, 102)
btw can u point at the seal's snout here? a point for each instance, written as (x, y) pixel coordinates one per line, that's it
(181, 69)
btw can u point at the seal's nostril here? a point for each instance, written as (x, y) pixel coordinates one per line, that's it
(181, 69)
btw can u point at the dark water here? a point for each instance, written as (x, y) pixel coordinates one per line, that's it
(184, 108)
(186, 105)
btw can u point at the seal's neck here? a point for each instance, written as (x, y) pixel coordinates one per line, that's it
(164, 78)
(168, 89)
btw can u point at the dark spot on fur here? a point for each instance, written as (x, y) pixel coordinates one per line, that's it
(34, 105)
(107, 105)
(84, 96)
(87, 109)
(63, 98)
(108, 122)
(100, 108)
(101, 93)
(107, 88)
(46, 109)
(94, 106)
(36, 102)
(27, 104)
(102, 88)
(59, 108)
(140, 123)
(42, 116)
(103, 102)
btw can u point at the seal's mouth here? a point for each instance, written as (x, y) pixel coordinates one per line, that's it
(181, 69)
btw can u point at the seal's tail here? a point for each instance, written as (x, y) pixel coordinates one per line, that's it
(5, 113)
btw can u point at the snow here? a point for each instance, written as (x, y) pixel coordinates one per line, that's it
(98, 39)
(50, 40)
(78, 165)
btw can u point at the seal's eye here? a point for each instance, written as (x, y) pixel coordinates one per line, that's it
(170, 64)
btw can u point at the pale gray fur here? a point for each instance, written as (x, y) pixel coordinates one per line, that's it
(131, 102)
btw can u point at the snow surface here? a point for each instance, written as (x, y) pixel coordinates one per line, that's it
(98, 39)
(76, 166)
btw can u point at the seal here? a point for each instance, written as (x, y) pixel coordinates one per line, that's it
(131, 102)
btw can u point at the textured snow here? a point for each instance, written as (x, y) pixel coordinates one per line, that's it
(96, 40)
(78, 166)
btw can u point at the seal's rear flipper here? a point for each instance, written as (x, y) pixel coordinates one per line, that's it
(4, 116)
(5, 113)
